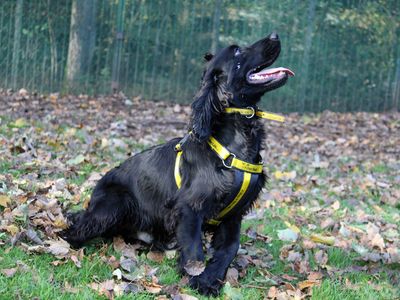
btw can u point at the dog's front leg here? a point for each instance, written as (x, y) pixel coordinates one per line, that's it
(188, 234)
(226, 242)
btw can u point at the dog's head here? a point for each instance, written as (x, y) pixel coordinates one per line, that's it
(237, 77)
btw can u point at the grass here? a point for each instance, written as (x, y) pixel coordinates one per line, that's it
(38, 277)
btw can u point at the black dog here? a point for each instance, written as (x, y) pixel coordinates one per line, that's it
(177, 190)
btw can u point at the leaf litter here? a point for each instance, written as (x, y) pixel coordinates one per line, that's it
(334, 174)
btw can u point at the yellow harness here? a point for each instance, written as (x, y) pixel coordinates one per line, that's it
(223, 153)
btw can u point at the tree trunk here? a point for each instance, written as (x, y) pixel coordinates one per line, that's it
(81, 42)
(17, 42)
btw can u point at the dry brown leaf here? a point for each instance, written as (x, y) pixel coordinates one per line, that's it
(157, 257)
(151, 287)
(127, 264)
(313, 276)
(76, 261)
(321, 257)
(184, 297)
(232, 276)
(125, 249)
(9, 272)
(104, 288)
(12, 229)
(5, 200)
(58, 248)
(272, 292)
(58, 262)
(60, 222)
(307, 284)
(336, 205)
(288, 277)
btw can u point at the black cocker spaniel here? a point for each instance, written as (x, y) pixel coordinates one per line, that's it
(169, 194)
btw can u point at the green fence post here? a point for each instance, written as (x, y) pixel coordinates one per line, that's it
(119, 37)
(17, 43)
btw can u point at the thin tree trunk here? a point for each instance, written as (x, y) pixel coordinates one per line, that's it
(81, 42)
(17, 42)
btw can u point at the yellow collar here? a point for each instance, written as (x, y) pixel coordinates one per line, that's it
(250, 112)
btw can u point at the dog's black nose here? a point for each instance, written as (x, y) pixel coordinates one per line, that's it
(274, 36)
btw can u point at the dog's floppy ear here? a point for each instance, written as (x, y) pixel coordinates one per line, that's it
(206, 107)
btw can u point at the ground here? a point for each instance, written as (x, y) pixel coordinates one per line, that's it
(327, 225)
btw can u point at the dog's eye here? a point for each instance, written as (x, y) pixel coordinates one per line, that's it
(237, 51)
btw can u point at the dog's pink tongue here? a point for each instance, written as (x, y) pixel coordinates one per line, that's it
(276, 70)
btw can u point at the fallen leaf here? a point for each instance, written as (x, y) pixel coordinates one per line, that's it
(21, 122)
(287, 235)
(184, 297)
(157, 257)
(4, 200)
(272, 292)
(232, 276)
(117, 273)
(288, 277)
(307, 284)
(12, 229)
(322, 239)
(170, 254)
(127, 264)
(76, 160)
(321, 257)
(292, 227)
(151, 287)
(313, 276)
(336, 205)
(285, 176)
(232, 293)
(104, 288)
(9, 272)
(76, 261)
(58, 248)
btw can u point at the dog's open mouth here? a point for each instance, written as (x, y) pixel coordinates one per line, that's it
(265, 76)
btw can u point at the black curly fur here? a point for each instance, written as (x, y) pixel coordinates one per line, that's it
(141, 194)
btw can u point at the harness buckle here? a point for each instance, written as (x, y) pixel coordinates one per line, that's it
(253, 112)
(224, 161)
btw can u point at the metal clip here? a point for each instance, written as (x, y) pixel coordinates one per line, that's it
(224, 160)
(253, 112)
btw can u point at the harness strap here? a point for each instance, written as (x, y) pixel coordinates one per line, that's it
(177, 174)
(246, 175)
(242, 179)
(251, 112)
(224, 154)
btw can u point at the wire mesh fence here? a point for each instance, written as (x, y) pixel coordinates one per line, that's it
(346, 54)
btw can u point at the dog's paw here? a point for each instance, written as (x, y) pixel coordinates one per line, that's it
(205, 285)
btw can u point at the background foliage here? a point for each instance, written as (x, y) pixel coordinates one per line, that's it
(346, 53)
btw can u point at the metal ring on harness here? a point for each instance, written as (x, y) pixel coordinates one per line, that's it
(253, 112)
(223, 160)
